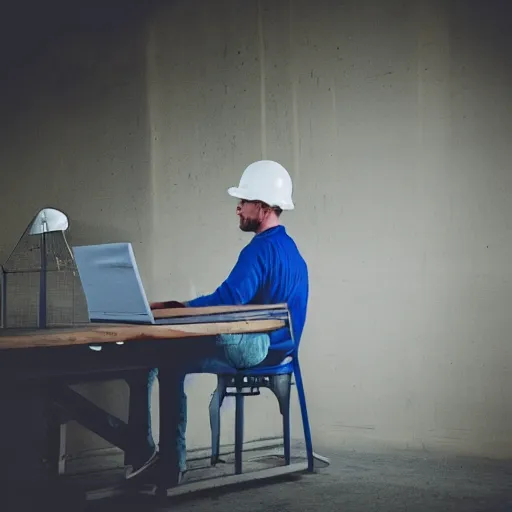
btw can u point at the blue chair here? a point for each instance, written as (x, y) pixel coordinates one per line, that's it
(247, 382)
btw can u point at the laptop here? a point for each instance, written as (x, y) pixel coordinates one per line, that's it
(112, 285)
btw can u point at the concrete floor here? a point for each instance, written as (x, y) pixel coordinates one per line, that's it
(405, 481)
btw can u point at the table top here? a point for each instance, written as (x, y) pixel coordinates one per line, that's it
(92, 333)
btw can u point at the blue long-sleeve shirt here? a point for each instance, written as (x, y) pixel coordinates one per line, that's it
(269, 270)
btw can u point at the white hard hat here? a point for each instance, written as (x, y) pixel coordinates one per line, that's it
(265, 181)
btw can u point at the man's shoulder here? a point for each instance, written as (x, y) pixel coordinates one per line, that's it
(279, 238)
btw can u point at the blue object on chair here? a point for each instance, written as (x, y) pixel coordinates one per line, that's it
(247, 382)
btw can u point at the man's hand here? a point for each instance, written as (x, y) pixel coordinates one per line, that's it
(170, 304)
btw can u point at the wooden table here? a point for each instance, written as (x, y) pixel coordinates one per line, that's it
(37, 366)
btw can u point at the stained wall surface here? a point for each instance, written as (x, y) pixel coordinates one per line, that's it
(392, 118)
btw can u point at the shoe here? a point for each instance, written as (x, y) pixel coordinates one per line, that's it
(137, 469)
(147, 473)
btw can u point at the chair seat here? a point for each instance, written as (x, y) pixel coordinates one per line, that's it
(220, 367)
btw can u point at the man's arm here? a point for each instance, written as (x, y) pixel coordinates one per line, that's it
(241, 285)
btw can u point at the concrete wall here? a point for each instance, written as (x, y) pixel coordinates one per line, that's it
(390, 116)
(74, 135)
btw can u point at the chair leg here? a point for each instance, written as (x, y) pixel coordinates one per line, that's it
(239, 432)
(215, 405)
(304, 413)
(286, 437)
(280, 385)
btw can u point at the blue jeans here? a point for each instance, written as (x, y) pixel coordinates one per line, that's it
(237, 350)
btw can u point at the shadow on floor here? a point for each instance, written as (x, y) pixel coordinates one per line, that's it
(413, 482)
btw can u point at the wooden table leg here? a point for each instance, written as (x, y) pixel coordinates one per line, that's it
(170, 396)
(138, 415)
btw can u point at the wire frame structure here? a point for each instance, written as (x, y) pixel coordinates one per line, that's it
(40, 285)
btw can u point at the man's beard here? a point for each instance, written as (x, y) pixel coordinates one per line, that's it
(250, 225)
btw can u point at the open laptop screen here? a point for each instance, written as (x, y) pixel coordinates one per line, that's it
(112, 284)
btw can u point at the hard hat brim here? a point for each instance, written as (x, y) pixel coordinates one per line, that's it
(241, 193)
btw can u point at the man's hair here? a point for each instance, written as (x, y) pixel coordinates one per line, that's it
(275, 209)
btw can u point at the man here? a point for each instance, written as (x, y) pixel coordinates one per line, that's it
(269, 270)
